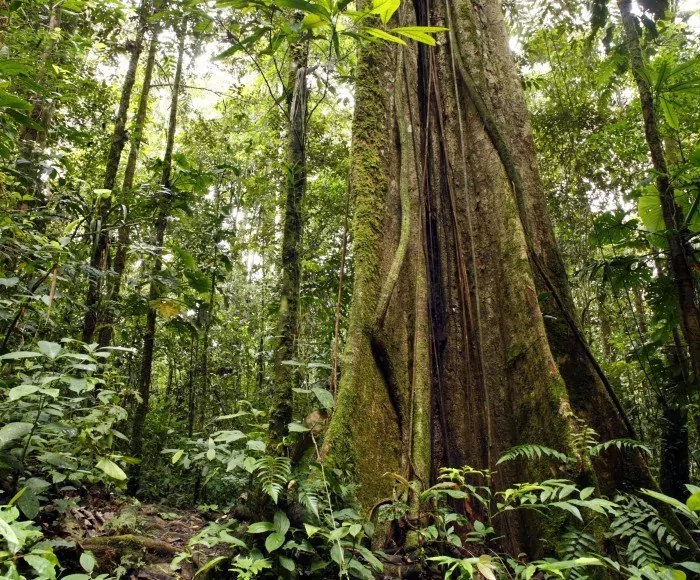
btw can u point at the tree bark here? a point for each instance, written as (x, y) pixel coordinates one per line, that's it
(161, 222)
(100, 246)
(286, 349)
(679, 246)
(106, 333)
(450, 360)
(674, 472)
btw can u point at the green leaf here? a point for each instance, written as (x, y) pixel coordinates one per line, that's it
(692, 566)
(49, 349)
(256, 445)
(260, 527)
(666, 499)
(669, 111)
(43, 567)
(385, 10)
(419, 33)
(229, 52)
(377, 33)
(176, 456)
(650, 213)
(297, 428)
(111, 469)
(274, 541)
(13, 431)
(19, 355)
(693, 502)
(22, 391)
(575, 563)
(286, 563)
(8, 533)
(694, 157)
(311, 530)
(13, 102)
(87, 561)
(28, 502)
(324, 396)
(185, 257)
(281, 522)
(572, 509)
(214, 562)
(304, 6)
(10, 68)
(198, 280)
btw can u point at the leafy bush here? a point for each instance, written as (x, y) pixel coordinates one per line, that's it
(59, 413)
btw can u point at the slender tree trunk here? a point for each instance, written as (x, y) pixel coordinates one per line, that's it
(605, 330)
(209, 318)
(286, 376)
(674, 472)
(679, 245)
(106, 333)
(450, 360)
(100, 246)
(154, 291)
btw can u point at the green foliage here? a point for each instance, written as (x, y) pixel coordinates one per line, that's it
(531, 452)
(23, 553)
(310, 526)
(60, 413)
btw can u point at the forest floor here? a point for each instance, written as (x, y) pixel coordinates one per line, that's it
(129, 539)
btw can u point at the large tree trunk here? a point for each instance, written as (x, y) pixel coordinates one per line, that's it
(149, 335)
(449, 359)
(107, 327)
(100, 246)
(679, 246)
(286, 376)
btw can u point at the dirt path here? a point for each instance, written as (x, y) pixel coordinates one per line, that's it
(130, 539)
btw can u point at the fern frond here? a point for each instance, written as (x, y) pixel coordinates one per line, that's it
(531, 451)
(583, 437)
(620, 444)
(273, 473)
(577, 544)
(646, 538)
(309, 500)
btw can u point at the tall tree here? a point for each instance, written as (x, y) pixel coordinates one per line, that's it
(100, 247)
(285, 375)
(163, 211)
(107, 327)
(463, 339)
(680, 249)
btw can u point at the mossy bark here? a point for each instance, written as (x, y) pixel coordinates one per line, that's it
(286, 376)
(463, 366)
